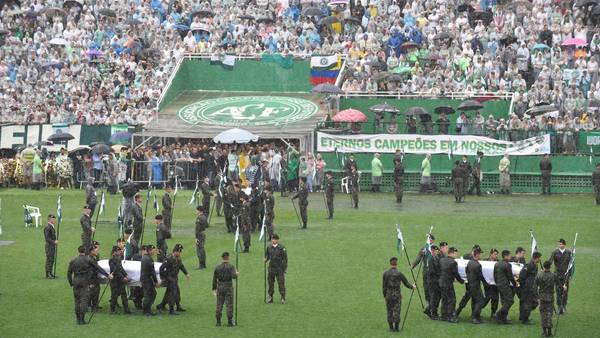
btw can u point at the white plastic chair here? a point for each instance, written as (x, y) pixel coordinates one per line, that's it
(35, 213)
(345, 185)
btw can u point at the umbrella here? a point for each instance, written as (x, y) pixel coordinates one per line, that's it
(596, 10)
(7, 152)
(28, 151)
(380, 76)
(133, 22)
(51, 64)
(60, 136)
(327, 88)
(484, 16)
(94, 53)
(470, 105)
(350, 115)
(79, 149)
(465, 8)
(118, 147)
(100, 148)
(54, 11)
(384, 108)
(265, 20)
(247, 17)
(235, 135)
(395, 78)
(416, 111)
(72, 3)
(120, 138)
(541, 46)
(312, 11)
(107, 12)
(538, 110)
(202, 13)
(594, 103)
(507, 40)
(574, 42)
(202, 28)
(442, 36)
(353, 20)
(43, 143)
(444, 109)
(408, 45)
(328, 21)
(521, 3)
(338, 2)
(58, 42)
(585, 3)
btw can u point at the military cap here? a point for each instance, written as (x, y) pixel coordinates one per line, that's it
(225, 255)
(178, 247)
(562, 241)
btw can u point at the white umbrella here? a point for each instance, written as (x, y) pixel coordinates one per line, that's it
(58, 41)
(235, 135)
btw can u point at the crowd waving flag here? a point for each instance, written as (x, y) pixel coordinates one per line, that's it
(324, 69)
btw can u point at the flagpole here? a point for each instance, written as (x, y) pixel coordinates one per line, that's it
(57, 235)
(297, 216)
(173, 206)
(265, 250)
(97, 214)
(413, 274)
(412, 292)
(237, 261)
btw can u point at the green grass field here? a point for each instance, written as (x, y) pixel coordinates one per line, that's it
(335, 268)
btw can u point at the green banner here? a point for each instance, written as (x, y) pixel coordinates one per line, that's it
(589, 141)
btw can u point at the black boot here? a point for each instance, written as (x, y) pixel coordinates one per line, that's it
(545, 333)
(172, 311)
(218, 321)
(179, 308)
(230, 322)
(396, 326)
(391, 324)
(304, 225)
(550, 332)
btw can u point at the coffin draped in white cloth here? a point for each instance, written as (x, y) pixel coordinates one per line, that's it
(487, 268)
(132, 268)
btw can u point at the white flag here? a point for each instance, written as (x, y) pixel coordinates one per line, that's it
(101, 204)
(400, 242)
(176, 187)
(236, 239)
(533, 243)
(264, 227)
(194, 193)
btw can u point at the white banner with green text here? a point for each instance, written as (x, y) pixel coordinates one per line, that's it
(433, 144)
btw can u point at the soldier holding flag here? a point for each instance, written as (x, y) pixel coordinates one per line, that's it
(86, 228)
(561, 257)
(51, 243)
(391, 292)
(167, 204)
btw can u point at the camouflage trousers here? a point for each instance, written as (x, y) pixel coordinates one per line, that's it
(225, 297)
(399, 190)
(354, 192)
(507, 299)
(81, 294)
(527, 303)
(597, 193)
(280, 276)
(392, 303)
(546, 311)
(166, 214)
(50, 253)
(200, 252)
(329, 202)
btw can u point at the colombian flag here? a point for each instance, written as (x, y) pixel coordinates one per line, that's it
(324, 69)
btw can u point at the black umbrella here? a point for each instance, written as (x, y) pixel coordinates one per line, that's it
(585, 3)
(444, 109)
(312, 11)
(442, 36)
(100, 148)
(416, 111)
(470, 105)
(521, 3)
(72, 3)
(202, 13)
(328, 21)
(247, 17)
(265, 20)
(43, 143)
(107, 12)
(353, 20)
(465, 8)
(54, 11)
(384, 108)
(508, 40)
(7, 152)
(596, 10)
(395, 78)
(538, 110)
(133, 22)
(327, 88)
(60, 136)
(381, 76)
(484, 16)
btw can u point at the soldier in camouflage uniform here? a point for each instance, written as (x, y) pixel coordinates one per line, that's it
(302, 196)
(546, 171)
(201, 225)
(205, 188)
(86, 228)
(329, 193)
(78, 274)
(169, 272)
(544, 286)
(94, 279)
(458, 182)
(138, 218)
(269, 202)
(391, 292)
(228, 197)
(561, 258)
(276, 255)
(449, 273)
(398, 179)
(245, 222)
(528, 299)
(50, 247)
(354, 188)
(90, 195)
(505, 282)
(467, 170)
(596, 183)
(222, 286)
(167, 206)
(117, 284)
(162, 233)
(256, 208)
(426, 257)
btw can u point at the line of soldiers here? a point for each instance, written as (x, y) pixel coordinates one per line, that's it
(440, 270)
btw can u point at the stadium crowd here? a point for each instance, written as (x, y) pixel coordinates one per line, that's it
(106, 62)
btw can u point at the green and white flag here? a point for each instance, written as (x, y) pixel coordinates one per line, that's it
(571, 267)
(101, 204)
(400, 241)
(236, 239)
(176, 187)
(264, 226)
(59, 208)
(155, 205)
(533, 243)
(194, 193)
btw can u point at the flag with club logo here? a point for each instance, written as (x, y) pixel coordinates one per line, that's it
(236, 239)
(571, 266)
(102, 202)
(194, 193)
(400, 240)
(264, 226)
(59, 208)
